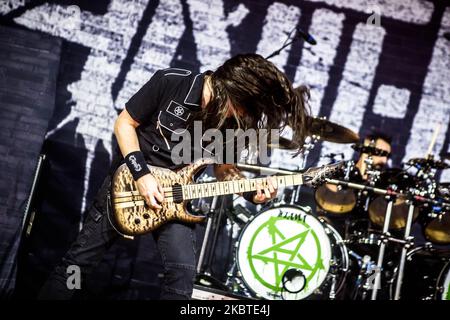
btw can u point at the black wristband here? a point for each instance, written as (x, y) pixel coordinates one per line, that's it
(249, 196)
(136, 163)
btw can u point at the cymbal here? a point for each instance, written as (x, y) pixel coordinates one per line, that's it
(330, 131)
(370, 150)
(429, 163)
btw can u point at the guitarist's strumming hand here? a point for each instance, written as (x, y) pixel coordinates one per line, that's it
(265, 194)
(148, 187)
(151, 191)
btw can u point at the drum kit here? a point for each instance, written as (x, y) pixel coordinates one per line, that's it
(373, 233)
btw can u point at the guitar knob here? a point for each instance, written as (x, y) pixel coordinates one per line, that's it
(137, 221)
(146, 216)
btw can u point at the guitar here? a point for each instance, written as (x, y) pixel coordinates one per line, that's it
(133, 217)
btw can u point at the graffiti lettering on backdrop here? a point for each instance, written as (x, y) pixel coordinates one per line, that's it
(348, 70)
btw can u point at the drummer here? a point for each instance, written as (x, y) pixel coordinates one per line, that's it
(379, 162)
(342, 206)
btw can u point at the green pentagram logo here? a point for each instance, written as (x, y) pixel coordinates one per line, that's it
(284, 252)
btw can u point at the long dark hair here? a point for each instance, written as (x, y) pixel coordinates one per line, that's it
(265, 93)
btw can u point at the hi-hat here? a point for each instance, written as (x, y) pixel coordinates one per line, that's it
(329, 131)
(428, 163)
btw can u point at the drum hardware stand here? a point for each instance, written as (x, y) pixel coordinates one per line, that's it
(211, 219)
(212, 209)
(408, 242)
(309, 144)
(363, 279)
(387, 221)
(368, 169)
(372, 174)
(363, 187)
(350, 166)
(390, 195)
(445, 205)
(295, 194)
(210, 214)
(332, 294)
(234, 283)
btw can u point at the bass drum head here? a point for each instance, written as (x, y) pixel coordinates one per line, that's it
(278, 240)
(426, 275)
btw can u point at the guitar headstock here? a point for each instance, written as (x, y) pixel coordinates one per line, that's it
(314, 177)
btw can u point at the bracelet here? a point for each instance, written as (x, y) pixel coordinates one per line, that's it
(136, 163)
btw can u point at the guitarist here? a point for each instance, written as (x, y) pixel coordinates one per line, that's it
(236, 95)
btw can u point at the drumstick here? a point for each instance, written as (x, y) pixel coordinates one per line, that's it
(433, 139)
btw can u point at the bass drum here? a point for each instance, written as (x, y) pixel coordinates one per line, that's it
(286, 243)
(426, 276)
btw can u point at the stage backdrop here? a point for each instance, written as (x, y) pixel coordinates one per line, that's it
(377, 64)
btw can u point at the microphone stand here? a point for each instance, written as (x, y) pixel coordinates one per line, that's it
(277, 52)
(298, 34)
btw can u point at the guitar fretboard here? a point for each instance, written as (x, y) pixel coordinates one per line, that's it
(211, 189)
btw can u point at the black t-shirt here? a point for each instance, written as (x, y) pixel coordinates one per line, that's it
(164, 106)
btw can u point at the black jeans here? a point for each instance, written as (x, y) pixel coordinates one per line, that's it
(175, 241)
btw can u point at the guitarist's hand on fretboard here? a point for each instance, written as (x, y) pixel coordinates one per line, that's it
(151, 191)
(229, 172)
(264, 194)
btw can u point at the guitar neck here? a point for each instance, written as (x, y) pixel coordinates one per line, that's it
(211, 189)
